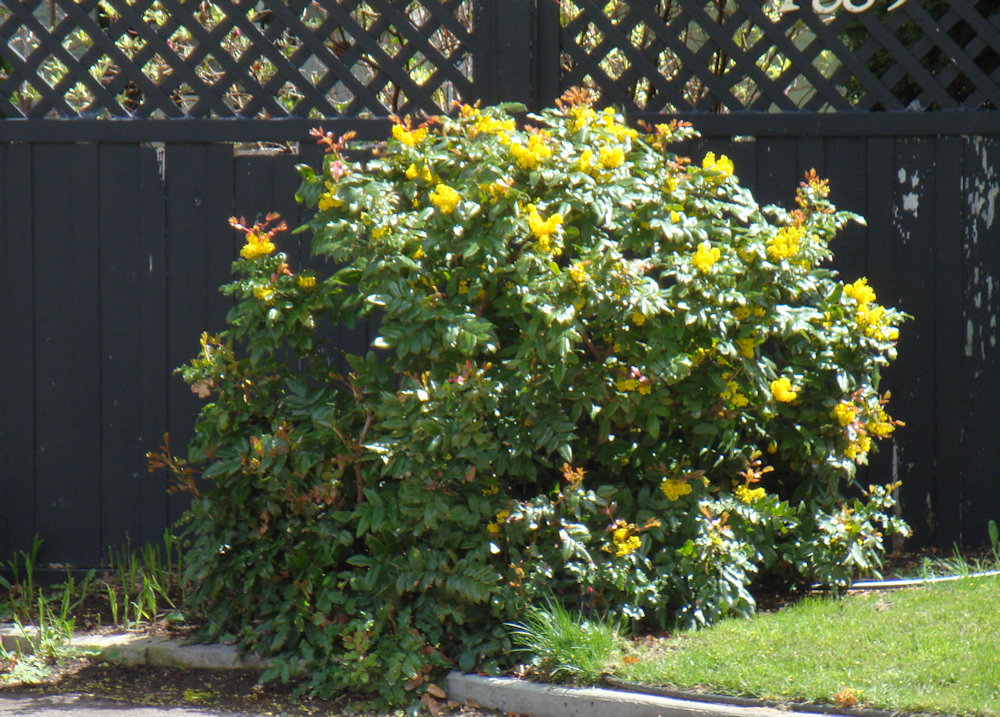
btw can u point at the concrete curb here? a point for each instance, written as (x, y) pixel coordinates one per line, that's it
(511, 695)
(132, 649)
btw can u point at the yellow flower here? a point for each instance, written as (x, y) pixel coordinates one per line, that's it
(579, 117)
(749, 495)
(859, 448)
(882, 426)
(328, 201)
(638, 318)
(543, 229)
(578, 273)
(860, 292)
(705, 257)
(624, 539)
(746, 347)
(463, 287)
(412, 172)
(306, 282)
(783, 391)
(263, 293)
(486, 124)
(844, 413)
(627, 384)
(611, 157)
(444, 198)
(785, 243)
(531, 156)
(741, 313)
(674, 489)
(256, 246)
(586, 162)
(723, 165)
(408, 137)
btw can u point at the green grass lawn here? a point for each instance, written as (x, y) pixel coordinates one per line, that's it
(928, 649)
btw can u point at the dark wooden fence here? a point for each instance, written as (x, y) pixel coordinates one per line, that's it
(114, 203)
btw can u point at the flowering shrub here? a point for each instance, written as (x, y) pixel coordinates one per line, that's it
(602, 373)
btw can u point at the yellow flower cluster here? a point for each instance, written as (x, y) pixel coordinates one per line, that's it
(858, 448)
(585, 163)
(785, 244)
(748, 494)
(495, 189)
(578, 272)
(327, 202)
(638, 318)
(674, 489)
(408, 137)
(619, 131)
(642, 385)
(624, 539)
(882, 426)
(873, 322)
(845, 413)
(444, 198)
(733, 396)
(485, 124)
(579, 117)
(306, 282)
(723, 164)
(747, 347)
(611, 157)
(263, 293)
(256, 246)
(705, 257)
(531, 156)
(783, 391)
(424, 173)
(494, 528)
(543, 229)
(860, 292)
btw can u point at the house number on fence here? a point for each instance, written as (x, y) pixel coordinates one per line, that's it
(824, 8)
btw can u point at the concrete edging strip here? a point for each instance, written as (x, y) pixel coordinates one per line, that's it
(511, 695)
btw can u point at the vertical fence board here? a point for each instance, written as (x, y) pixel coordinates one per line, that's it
(200, 251)
(880, 268)
(982, 303)
(131, 343)
(17, 379)
(67, 386)
(153, 333)
(843, 165)
(120, 253)
(951, 382)
(911, 379)
(777, 174)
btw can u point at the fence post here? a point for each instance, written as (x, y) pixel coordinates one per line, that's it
(516, 52)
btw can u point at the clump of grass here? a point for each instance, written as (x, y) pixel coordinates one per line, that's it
(141, 587)
(567, 647)
(959, 564)
(928, 649)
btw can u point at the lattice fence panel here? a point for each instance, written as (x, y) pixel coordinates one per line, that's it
(765, 55)
(233, 58)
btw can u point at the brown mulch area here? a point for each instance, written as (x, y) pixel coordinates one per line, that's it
(223, 690)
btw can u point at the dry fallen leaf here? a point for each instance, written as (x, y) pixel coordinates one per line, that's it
(202, 388)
